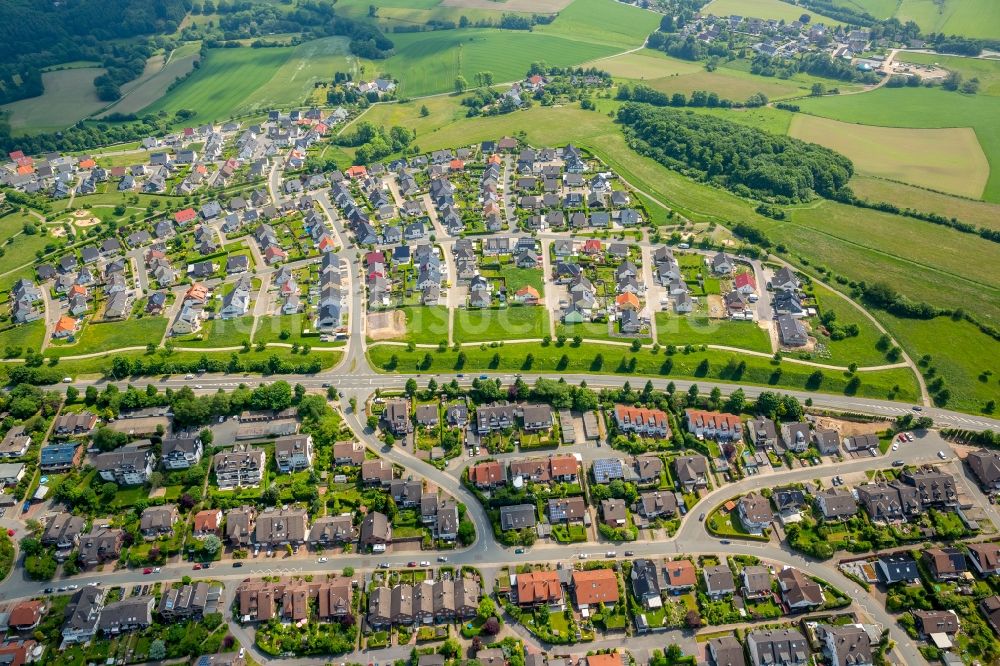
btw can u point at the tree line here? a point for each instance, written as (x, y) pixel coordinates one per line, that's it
(749, 161)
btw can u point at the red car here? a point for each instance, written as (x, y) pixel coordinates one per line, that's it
(147, 571)
(10, 532)
(197, 567)
(411, 564)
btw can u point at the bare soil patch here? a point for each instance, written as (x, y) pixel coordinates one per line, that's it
(386, 325)
(849, 428)
(91, 222)
(716, 308)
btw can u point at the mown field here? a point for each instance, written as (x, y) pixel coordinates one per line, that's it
(18, 247)
(765, 9)
(979, 213)
(972, 18)
(858, 349)
(98, 337)
(25, 336)
(922, 108)
(947, 159)
(603, 22)
(601, 358)
(513, 323)
(69, 96)
(672, 329)
(426, 324)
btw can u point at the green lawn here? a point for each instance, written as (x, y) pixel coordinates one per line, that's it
(987, 71)
(979, 213)
(972, 18)
(427, 324)
(960, 354)
(269, 329)
(69, 96)
(107, 336)
(513, 323)
(18, 247)
(860, 349)
(618, 359)
(587, 330)
(23, 336)
(679, 330)
(765, 9)
(600, 22)
(219, 333)
(515, 278)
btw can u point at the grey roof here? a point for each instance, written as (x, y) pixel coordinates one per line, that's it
(518, 516)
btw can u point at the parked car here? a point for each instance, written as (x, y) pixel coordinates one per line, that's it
(898, 463)
(197, 567)
(442, 558)
(425, 563)
(237, 565)
(519, 551)
(411, 564)
(147, 571)
(629, 553)
(942, 455)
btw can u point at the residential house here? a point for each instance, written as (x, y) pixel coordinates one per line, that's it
(538, 588)
(754, 512)
(348, 453)
(240, 526)
(836, 503)
(614, 513)
(897, 568)
(945, 564)
(756, 582)
(101, 545)
(278, 527)
(648, 422)
(181, 452)
(645, 579)
(518, 516)
(936, 622)
(158, 520)
(691, 472)
(293, 454)
(240, 467)
(725, 651)
(127, 614)
(396, 416)
(798, 590)
(656, 504)
(207, 523)
(777, 647)
(567, 510)
(795, 436)
(680, 575)
(376, 531)
(128, 466)
(595, 587)
(985, 465)
(82, 615)
(847, 645)
(714, 425)
(718, 581)
(985, 557)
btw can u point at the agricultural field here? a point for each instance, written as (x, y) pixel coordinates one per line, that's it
(934, 264)
(987, 71)
(225, 83)
(307, 63)
(602, 22)
(979, 213)
(152, 85)
(922, 108)
(948, 160)
(972, 18)
(69, 96)
(765, 9)
(677, 330)
(604, 358)
(427, 63)
(513, 323)
(18, 247)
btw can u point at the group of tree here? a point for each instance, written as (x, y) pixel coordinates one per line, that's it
(747, 160)
(699, 98)
(374, 142)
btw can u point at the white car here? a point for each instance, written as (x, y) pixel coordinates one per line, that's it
(582, 556)
(188, 376)
(942, 455)
(67, 380)
(895, 447)
(425, 563)
(321, 560)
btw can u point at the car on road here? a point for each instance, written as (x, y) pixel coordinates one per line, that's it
(197, 386)
(94, 583)
(583, 556)
(483, 376)
(156, 569)
(237, 565)
(629, 553)
(326, 384)
(895, 446)
(460, 375)
(10, 532)
(197, 567)
(49, 590)
(67, 380)
(725, 542)
(519, 551)
(442, 558)
(701, 518)
(74, 586)
(188, 376)
(898, 463)
(942, 455)
(322, 560)
(62, 589)
(411, 564)
(384, 565)
(147, 571)
(425, 563)
(918, 408)
(611, 553)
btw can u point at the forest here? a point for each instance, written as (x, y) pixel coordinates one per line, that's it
(747, 160)
(34, 35)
